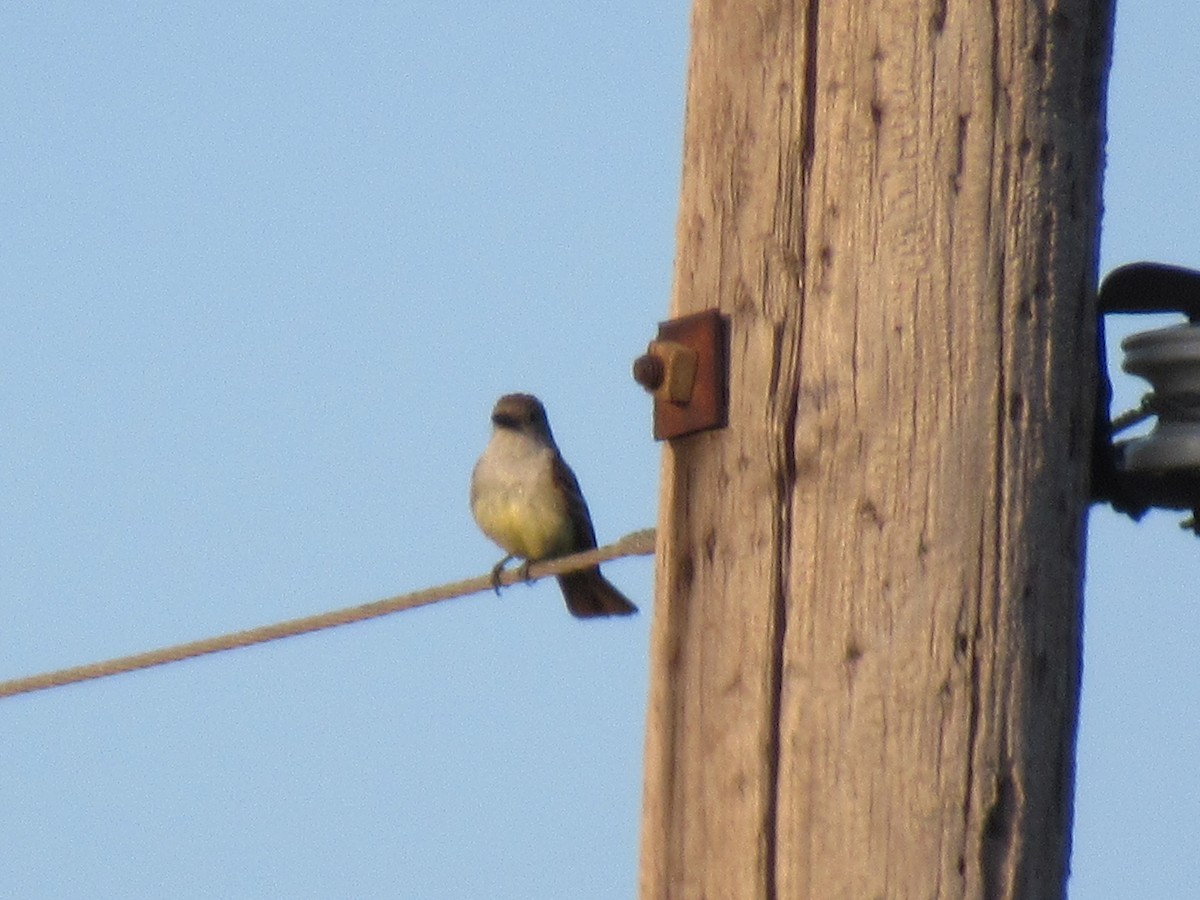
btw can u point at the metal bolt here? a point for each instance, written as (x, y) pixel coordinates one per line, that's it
(649, 372)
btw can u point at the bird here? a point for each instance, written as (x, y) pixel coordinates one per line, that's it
(526, 499)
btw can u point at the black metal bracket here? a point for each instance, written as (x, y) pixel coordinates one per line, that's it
(1142, 287)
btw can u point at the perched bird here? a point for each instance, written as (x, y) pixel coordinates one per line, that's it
(526, 499)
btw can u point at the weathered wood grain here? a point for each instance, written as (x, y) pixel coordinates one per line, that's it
(866, 638)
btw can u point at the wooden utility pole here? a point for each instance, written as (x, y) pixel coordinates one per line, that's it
(866, 640)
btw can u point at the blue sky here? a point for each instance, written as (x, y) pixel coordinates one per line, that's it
(264, 272)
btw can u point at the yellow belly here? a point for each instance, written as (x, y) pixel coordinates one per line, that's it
(529, 530)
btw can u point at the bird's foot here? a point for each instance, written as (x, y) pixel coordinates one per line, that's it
(496, 570)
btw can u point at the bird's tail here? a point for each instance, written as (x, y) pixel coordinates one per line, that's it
(590, 594)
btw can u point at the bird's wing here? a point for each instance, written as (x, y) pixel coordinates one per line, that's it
(581, 519)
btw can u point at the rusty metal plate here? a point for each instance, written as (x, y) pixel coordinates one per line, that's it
(706, 333)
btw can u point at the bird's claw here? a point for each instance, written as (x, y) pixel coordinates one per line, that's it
(496, 570)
